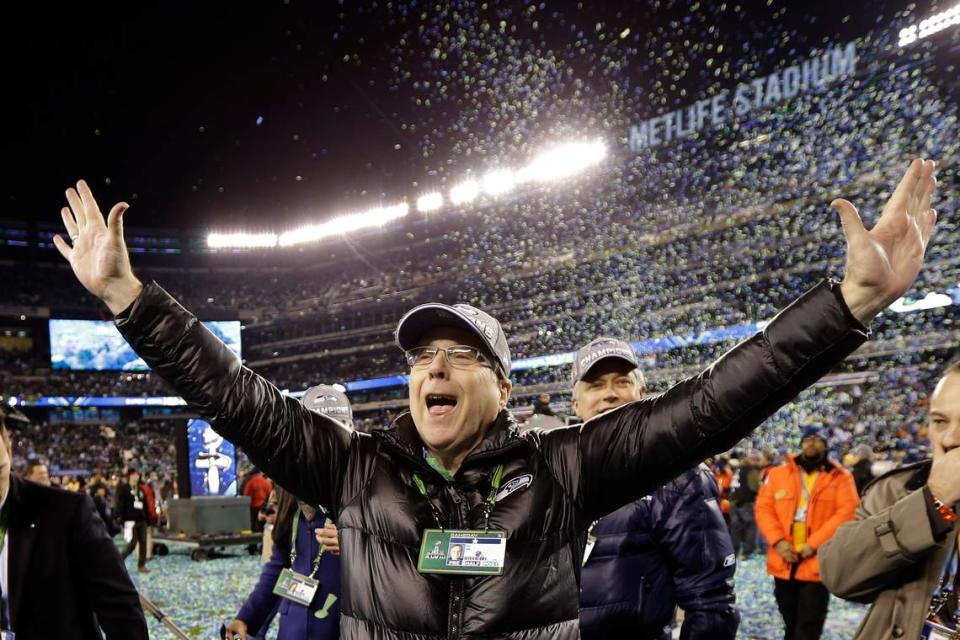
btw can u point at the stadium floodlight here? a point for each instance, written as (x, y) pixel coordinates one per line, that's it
(929, 26)
(563, 161)
(499, 181)
(429, 202)
(344, 224)
(465, 192)
(241, 240)
(554, 164)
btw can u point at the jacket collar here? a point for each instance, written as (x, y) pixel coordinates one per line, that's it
(919, 477)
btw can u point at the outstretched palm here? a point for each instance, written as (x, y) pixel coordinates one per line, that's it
(883, 262)
(98, 254)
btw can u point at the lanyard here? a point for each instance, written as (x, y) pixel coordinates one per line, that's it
(803, 485)
(948, 573)
(943, 602)
(293, 546)
(488, 504)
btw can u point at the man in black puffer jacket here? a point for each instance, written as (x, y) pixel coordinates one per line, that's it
(669, 548)
(457, 461)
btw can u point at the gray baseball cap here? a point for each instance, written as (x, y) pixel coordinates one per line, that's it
(421, 319)
(598, 350)
(330, 401)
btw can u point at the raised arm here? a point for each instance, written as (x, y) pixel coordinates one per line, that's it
(631, 451)
(623, 454)
(304, 451)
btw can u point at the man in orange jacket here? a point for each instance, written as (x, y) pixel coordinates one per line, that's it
(799, 507)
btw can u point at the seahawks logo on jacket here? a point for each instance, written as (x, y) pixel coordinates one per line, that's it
(514, 484)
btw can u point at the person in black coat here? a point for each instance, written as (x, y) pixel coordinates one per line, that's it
(62, 576)
(132, 508)
(105, 508)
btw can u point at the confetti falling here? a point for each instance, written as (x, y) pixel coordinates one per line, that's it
(368, 102)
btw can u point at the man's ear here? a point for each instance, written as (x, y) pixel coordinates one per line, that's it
(506, 387)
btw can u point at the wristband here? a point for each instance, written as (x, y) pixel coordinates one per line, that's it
(946, 513)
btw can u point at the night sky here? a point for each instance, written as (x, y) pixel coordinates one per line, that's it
(264, 115)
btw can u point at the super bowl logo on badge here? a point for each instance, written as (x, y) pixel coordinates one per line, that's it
(436, 553)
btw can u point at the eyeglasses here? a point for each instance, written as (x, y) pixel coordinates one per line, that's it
(459, 355)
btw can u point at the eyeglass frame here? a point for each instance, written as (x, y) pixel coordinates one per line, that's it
(481, 358)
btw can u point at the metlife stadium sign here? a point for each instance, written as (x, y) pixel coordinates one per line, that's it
(802, 77)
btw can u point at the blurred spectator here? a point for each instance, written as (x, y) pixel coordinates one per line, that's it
(723, 475)
(541, 406)
(257, 488)
(133, 512)
(101, 501)
(801, 505)
(743, 497)
(37, 472)
(862, 468)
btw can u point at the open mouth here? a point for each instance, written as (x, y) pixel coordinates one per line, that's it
(439, 404)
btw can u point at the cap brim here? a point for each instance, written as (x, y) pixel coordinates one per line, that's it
(422, 319)
(586, 372)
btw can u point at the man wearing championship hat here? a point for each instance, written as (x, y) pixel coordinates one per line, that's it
(670, 548)
(454, 470)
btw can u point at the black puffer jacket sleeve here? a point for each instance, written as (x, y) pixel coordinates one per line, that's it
(627, 453)
(303, 451)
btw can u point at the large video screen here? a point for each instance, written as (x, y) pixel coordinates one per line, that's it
(213, 461)
(95, 345)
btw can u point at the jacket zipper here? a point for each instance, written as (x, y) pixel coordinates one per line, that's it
(455, 616)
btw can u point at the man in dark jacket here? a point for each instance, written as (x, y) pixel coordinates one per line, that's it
(133, 512)
(863, 468)
(669, 548)
(60, 573)
(105, 509)
(743, 525)
(456, 464)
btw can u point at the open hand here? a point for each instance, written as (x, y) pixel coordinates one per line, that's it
(97, 251)
(883, 262)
